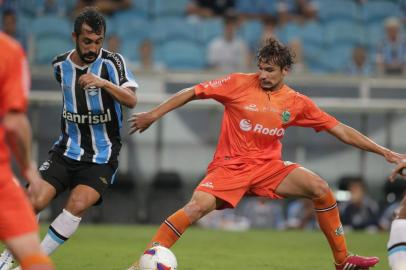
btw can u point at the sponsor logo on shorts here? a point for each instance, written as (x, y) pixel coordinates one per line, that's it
(246, 125)
(45, 165)
(207, 185)
(103, 179)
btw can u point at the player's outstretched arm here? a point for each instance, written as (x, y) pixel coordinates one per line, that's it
(353, 137)
(141, 121)
(399, 169)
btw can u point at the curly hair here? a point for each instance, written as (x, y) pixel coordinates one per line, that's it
(91, 17)
(276, 53)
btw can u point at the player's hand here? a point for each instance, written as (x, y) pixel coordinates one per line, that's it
(91, 81)
(141, 121)
(393, 157)
(34, 179)
(399, 169)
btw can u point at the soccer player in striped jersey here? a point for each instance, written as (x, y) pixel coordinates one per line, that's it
(258, 108)
(95, 83)
(397, 237)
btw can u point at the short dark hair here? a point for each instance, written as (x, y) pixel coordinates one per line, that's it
(91, 17)
(275, 52)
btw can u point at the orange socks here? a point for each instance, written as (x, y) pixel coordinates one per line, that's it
(36, 262)
(171, 229)
(329, 221)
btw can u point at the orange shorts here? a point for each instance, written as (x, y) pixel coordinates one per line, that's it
(230, 183)
(16, 215)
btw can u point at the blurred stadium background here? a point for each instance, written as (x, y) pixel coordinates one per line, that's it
(350, 57)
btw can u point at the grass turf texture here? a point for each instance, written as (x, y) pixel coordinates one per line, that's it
(115, 248)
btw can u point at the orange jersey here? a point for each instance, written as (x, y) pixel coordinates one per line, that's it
(255, 120)
(14, 83)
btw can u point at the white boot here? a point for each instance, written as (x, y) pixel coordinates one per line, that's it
(6, 260)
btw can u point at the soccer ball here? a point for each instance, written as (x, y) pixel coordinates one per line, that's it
(158, 258)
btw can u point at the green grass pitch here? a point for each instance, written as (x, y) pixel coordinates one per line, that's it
(115, 247)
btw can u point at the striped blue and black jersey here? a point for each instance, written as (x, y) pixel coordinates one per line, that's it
(91, 119)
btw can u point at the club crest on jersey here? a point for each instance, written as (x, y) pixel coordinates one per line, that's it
(285, 116)
(93, 92)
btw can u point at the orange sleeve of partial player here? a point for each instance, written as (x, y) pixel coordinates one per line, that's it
(310, 115)
(14, 77)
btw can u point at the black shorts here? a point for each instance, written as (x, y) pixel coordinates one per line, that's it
(66, 173)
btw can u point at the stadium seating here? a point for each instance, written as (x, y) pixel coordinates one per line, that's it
(168, 28)
(338, 10)
(251, 32)
(344, 33)
(312, 33)
(375, 11)
(375, 34)
(181, 55)
(209, 29)
(288, 32)
(51, 25)
(169, 8)
(335, 59)
(342, 24)
(255, 7)
(131, 26)
(129, 48)
(47, 47)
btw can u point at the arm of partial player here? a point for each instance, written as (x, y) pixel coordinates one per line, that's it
(353, 137)
(18, 138)
(141, 121)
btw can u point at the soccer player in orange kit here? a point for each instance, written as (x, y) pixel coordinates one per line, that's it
(18, 226)
(259, 107)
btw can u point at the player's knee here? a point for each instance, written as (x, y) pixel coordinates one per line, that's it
(319, 188)
(39, 202)
(77, 206)
(195, 209)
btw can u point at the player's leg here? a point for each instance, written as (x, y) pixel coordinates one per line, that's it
(222, 187)
(55, 177)
(88, 183)
(28, 253)
(174, 226)
(397, 240)
(67, 222)
(304, 183)
(18, 227)
(43, 197)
